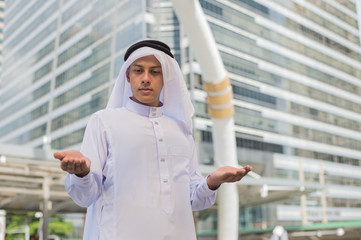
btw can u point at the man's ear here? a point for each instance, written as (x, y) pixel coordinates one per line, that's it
(127, 75)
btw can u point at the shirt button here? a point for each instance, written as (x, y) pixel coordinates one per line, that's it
(162, 160)
(154, 109)
(160, 139)
(153, 114)
(165, 180)
(156, 123)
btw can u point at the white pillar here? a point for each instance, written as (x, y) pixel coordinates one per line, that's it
(27, 232)
(2, 224)
(323, 193)
(301, 175)
(228, 202)
(214, 74)
(46, 203)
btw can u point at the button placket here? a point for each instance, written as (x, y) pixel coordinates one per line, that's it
(163, 168)
(165, 186)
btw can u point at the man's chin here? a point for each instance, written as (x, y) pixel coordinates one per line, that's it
(147, 101)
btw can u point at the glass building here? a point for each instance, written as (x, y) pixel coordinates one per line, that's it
(294, 65)
(2, 9)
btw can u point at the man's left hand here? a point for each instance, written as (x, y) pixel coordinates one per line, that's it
(226, 174)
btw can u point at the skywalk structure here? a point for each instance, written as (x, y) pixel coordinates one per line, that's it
(293, 65)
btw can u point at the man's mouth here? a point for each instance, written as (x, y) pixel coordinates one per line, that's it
(145, 90)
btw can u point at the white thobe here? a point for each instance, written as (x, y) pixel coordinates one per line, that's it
(144, 180)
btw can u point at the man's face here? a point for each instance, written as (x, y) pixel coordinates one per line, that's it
(146, 80)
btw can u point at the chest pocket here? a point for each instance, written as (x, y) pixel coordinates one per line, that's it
(179, 156)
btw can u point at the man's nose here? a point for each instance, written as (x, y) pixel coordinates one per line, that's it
(146, 77)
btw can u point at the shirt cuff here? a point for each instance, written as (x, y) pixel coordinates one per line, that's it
(204, 189)
(80, 181)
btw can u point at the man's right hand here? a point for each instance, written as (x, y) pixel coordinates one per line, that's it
(73, 162)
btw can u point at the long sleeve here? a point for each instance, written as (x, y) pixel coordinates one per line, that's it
(201, 196)
(85, 191)
(144, 175)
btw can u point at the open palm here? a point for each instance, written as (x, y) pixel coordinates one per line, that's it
(227, 174)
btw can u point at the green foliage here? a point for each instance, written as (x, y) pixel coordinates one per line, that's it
(34, 226)
(14, 223)
(18, 221)
(58, 227)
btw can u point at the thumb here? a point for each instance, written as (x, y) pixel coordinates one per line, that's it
(59, 155)
(249, 168)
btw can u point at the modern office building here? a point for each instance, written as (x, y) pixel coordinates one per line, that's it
(2, 9)
(295, 70)
(294, 65)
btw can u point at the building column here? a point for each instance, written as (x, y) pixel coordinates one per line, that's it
(301, 175)
(45, 208)
(323, 193)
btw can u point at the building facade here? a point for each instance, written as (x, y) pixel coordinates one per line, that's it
(295, 72)
(294, 65)
(2, 9)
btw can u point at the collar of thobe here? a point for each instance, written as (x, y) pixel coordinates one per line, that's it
(144, 110)
(174, 96)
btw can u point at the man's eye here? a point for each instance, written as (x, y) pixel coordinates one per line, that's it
(137, 70)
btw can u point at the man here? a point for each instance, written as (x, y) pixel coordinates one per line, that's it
(137, 171)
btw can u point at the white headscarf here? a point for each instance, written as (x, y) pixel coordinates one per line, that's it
(175, 96)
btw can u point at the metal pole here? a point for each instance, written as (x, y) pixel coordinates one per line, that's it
(301, 175)
(323, 193)
(27, 232)
(46, 189)
(40, 230)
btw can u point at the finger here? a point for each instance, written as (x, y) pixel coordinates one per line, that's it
(248, 168)
(241, 173)
(64, 165)
(78, 166)
(59, 155)
(83, 166)
(71, 167)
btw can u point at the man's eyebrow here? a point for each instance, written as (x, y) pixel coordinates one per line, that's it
(141, 66)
